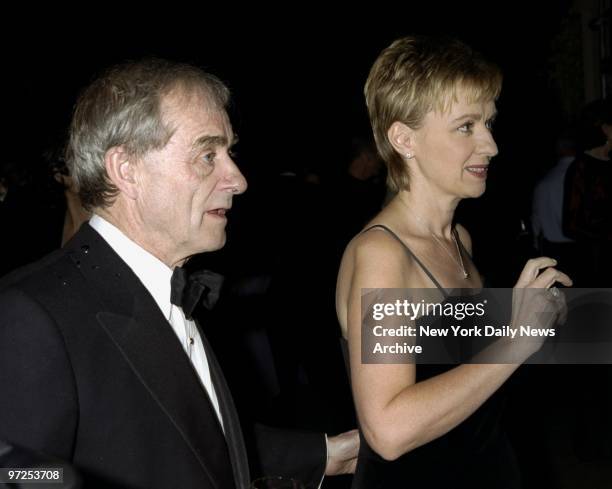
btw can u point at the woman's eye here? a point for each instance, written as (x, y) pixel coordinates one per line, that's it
(490, 124)
(232, 153)
(466, 128)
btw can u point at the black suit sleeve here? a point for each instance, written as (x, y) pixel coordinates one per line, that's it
(16, 456)
(38, 405)
(296, 454)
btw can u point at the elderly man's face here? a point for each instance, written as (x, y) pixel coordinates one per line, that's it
(187, 186)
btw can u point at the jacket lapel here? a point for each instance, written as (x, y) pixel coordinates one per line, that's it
(134, 323)
(233, 433)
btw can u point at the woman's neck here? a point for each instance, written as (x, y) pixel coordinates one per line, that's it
(431, 215)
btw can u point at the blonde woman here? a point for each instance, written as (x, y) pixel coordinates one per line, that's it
(432, 105)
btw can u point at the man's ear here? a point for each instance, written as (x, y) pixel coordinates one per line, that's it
(402, 138)
(121, 169)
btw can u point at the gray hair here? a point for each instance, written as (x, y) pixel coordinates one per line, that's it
(124, 108)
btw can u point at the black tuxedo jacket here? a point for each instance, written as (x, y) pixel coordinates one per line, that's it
(91, 372)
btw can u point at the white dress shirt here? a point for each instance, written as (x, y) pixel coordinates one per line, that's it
(155, 276)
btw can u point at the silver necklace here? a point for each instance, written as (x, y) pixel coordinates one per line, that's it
(466, 275)
(459, 262)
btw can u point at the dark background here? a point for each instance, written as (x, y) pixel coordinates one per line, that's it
(297, 74)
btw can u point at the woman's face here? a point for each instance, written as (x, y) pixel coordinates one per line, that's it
(452, 149)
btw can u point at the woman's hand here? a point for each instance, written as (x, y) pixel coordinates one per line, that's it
(532, 278)
(535, 302)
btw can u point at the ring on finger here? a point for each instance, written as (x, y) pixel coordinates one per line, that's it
(554, 292)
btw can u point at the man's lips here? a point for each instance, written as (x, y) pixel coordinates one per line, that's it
(220, 212)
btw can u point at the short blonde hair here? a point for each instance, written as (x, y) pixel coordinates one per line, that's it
(416, 75)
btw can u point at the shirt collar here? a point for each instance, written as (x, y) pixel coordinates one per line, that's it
(154, 274)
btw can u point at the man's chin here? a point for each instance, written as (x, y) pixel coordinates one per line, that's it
(213, 245)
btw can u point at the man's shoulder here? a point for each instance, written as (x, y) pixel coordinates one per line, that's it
(26, 294)
(38, 272)
(45, 277)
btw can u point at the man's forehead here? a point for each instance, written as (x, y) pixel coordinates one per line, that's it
(180, 100)
(181, 94)
(199, 111)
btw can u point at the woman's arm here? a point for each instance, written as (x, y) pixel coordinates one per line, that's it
(396, 414)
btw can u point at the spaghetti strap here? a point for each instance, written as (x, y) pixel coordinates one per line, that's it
(409, 251)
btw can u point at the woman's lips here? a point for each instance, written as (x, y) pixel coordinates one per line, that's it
(479, 171)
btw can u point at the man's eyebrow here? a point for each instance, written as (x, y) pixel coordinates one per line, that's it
(214, 141)
(210, 141)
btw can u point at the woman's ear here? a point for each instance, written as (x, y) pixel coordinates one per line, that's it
(401, 137)
(120, 168)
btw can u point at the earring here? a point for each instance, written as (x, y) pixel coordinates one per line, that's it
(409, 156)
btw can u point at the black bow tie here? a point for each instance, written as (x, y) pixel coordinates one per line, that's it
(186, 290)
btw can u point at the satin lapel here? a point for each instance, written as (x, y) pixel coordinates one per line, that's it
(233, 432)
(133, 321)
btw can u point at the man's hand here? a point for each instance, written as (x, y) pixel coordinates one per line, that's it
(342, 453)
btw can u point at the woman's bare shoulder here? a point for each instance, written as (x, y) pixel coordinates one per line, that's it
(375, 243)
(373, 259)
(379, 259)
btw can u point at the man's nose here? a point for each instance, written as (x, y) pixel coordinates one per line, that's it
(236, 182)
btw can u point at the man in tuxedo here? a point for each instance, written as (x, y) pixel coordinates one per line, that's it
(101, 363)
